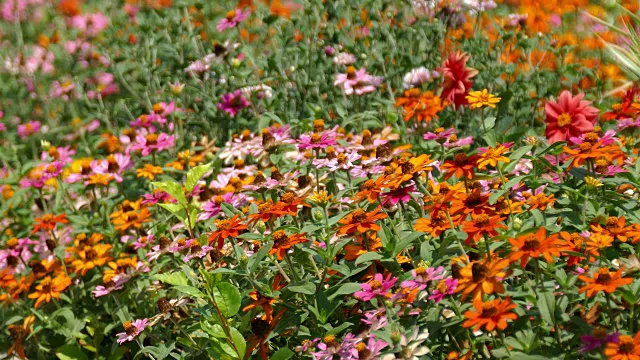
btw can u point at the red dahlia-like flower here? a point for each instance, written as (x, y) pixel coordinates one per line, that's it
(569, 117)
(457, 78)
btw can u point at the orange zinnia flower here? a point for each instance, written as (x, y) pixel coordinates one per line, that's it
(481, 277)
(226, 228)
(433, 225)
(491, 314)
(19, 334)
(626, 348)
(288, 204)
(149, 171)
(91, 257)
(371, 189)
(461, 166)
(535, 245)
(421, 106)
(49, 289)
(492, 156)
(614, 227)
(574, 244)
(360, 221)
(603, 280)
(406, 169)
(130, 214)
(482, 225)
(539, 201)
(474, 202)
(582, 153)
(283, 242)
(48, 222)
(363, 244)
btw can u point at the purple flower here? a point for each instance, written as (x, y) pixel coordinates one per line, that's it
(132, 330)
(376, 287)
(232, 19)
(597, 339)
(233, 102)
(422, 276)
(376, 319)
(445, 287)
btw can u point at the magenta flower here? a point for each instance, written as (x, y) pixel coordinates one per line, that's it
(439, 136)
(343, 161)
(371, 351)
(317, 141)
(395, 196)
(378, 286)
(459, 143)
(29, 128)
(445, 287)
(52, 170)
(115, 165)
(152, 142)
(132, 330)
(597, 339)
(3, 127)
(232, 19)
(376, 319)
(233, 102)
(422, 276)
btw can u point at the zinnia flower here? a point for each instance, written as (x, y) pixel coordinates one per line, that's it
(378, 286)
(131, 330)
(457, 78)
(569, 117)
(232, 19)
(233, 102)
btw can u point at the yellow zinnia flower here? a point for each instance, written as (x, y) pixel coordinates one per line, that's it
(478, 99)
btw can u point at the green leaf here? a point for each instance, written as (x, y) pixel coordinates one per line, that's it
(172, 188)
(306, 288)
(190, 290)
(346, 289)
(282, 354)
(370, 256)
(238, 341)
(516, 155)
(195, 174)
(174, 278)
(171, 207)
(70, 352)
(227, 298)
(255, 260)
(489, 122)
(547, 307)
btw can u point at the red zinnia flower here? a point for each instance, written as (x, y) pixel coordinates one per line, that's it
(569, 117)
(457, 78)
(48, 222)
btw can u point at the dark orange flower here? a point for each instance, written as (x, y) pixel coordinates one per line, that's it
(49, 289)
(603, 280)
(226, 228)
(474, 202)
(130, 214)
(491, 314)
(481, 225)
(582, 153)
(535, 245)
(288, 204)
(420, 106)
(461, 166)
(371, 189)
(614, 227)
(265, 302)
(574, 244)
(283, 242)
(407, 168)
(48, 222)
(19, 334)
(434, 225)
(261, 329)
(361, 221)
(481, 277)
(363, 244)
(626, 348)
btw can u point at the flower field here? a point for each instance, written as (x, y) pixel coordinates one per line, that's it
(320, 179)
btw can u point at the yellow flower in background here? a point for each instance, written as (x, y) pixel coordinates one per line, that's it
(478, 99)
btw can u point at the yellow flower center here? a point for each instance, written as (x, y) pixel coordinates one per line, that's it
(564, 119)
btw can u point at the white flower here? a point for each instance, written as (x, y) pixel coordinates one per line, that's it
(411, 348)
(417, 77)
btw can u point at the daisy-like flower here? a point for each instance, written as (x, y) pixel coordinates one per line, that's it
(457, 78)
(422, 276)
(418, 76)
(232, 19)
(132, 330)
(603, 280)
(357, 81)
(378, 286)
(197, 251)
(439, 135)
(316, 141)
(49, 288)
(343, 161)
(90, 24)
(479, 99)
(344, 59)
(233, 102)
(115, 165)
(411, 347)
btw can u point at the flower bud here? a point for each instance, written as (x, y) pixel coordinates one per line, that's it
(261, 226)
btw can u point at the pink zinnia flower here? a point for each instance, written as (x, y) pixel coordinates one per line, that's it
(152, 142)
(233, 102)
(445, 287)
(132, 330)
(439, 136)
(376, 287)
(357, 81)
(29, 128)
(422, 276)
(569, 117)
(90, 24)
(317, 141)
(232, 19)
